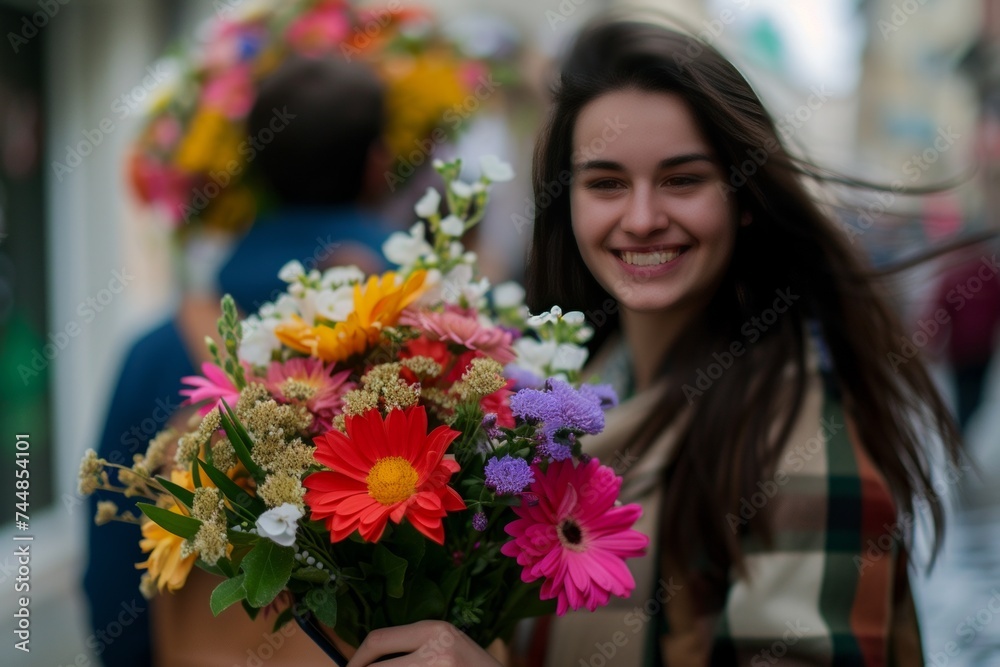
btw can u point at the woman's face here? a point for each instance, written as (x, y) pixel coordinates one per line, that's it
(650, 212)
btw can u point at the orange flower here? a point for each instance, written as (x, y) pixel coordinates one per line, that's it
(376, 305)
(384, 470)
(165, 564)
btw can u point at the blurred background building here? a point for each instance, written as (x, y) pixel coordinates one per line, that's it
(904, 92)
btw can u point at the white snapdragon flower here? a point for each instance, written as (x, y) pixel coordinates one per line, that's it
(508, 295)
(335, 304)
(406, 248)
(291, 271)
(495, 169)
(280, 523)
(428, 204)
(453, 226)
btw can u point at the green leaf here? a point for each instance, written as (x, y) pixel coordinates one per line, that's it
(179, 492)
(423, 601)
(268, 567)
(250, 610)
(241, 537)
(393, 568)
(232, 490)
(226, 594)
(284, 617)
(172, 522)
(323, 603)
(195, 475)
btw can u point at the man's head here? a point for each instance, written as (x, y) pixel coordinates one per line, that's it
(324, 118)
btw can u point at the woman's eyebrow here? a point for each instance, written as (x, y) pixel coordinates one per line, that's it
(666, 163)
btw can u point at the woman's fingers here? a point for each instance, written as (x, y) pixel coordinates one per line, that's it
(402, 639)
(425, 644)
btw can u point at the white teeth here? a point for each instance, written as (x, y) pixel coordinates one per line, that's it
(649, 258)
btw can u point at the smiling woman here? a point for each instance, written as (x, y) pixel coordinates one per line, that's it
(742, 329)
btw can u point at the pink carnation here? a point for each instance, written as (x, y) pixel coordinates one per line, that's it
(574, 537)
(214, 387)
(328, 401)
(463, 327)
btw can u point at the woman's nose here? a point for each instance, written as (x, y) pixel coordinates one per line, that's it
(644, 213)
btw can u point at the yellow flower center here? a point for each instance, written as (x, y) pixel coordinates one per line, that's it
(391, 480)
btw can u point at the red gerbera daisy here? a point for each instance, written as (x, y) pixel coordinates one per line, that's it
(381, 470)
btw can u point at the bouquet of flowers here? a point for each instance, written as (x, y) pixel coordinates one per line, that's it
(191, 158)
(374, 451)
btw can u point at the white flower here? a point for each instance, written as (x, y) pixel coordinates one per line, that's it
(291, 271)
(258, 340)
(285, 307)
(495, 169)
(508, 295)
(335, 304)
(428, 204)
(534, 355)
(405, 249)
(437, 163)
(342, 275)
(574, 318)
(462, 189)
(569, 357)
(453, 226)
(280, 523)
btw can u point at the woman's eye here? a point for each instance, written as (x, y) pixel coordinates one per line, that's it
(604, 184)
(682, 181)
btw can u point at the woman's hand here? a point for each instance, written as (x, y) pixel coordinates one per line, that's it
(427, 643)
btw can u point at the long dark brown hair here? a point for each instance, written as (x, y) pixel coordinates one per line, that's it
(736, 427)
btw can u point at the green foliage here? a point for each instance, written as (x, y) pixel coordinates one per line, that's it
(267, 569)
(178, 524)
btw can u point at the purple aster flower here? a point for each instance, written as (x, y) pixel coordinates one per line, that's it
(490, 425)
(522, 378)
(556, 451)
(479, 521)
(604, 394)
(509, 475)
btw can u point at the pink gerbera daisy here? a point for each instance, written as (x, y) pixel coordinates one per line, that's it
(214, 387)
(574, 537)
(464, 328)
(328, 401)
